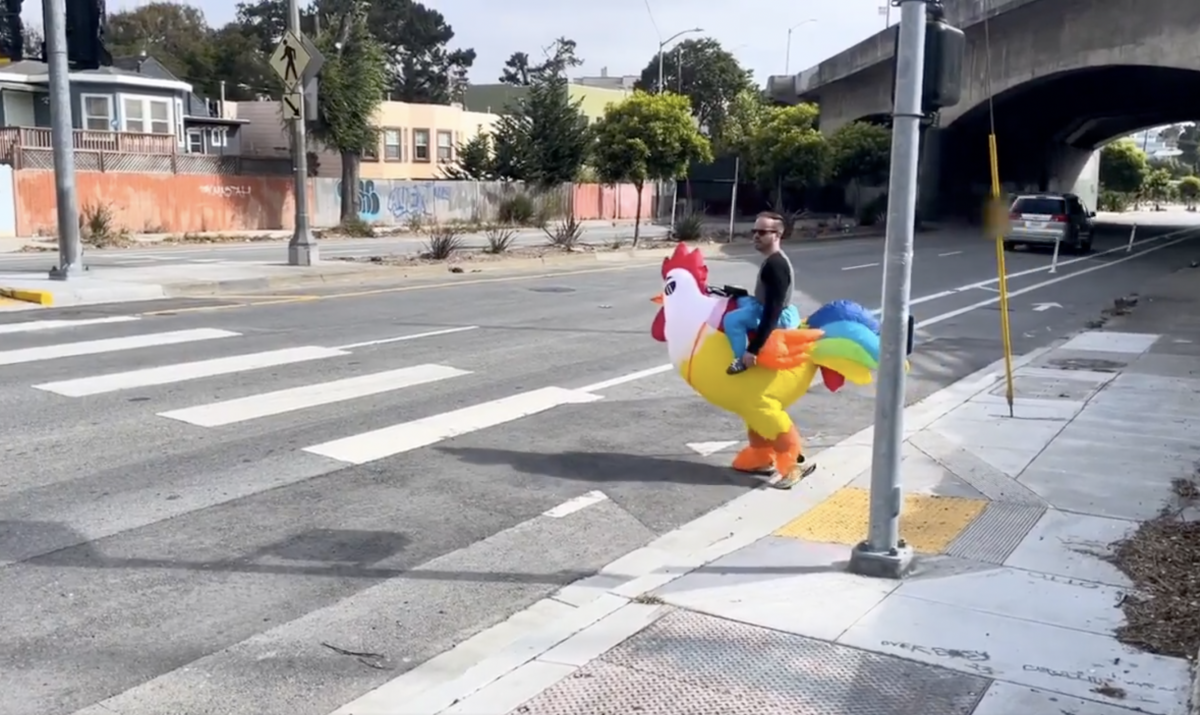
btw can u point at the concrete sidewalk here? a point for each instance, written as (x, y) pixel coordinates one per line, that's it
(1012, 607)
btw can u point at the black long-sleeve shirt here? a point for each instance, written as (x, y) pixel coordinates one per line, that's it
(774, 292)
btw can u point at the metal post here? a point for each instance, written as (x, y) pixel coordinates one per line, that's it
(787, 57)
(884, 554)
(737, 173)
(62, 138)
(1132, 236)
(1054, 257)
(661, 45)
(302, 249)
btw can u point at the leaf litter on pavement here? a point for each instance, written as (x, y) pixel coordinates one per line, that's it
(1162, 558)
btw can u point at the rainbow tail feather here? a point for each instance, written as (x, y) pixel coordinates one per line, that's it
(848, 349)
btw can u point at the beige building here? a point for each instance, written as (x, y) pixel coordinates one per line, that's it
(414, 139)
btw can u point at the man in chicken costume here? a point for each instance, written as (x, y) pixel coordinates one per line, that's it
(840, 340)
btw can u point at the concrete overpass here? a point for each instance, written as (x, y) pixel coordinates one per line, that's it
(1066, 76)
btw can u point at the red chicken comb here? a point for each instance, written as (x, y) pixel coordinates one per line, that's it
(689, 260)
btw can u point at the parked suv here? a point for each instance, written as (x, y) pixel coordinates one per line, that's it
(1044, 219)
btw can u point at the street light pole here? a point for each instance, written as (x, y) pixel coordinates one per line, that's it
(787, 62)
(62, 140)
(302, 249)
(662, 45)
(884, 554)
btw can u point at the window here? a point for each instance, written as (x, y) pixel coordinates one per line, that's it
(146, 115)
(218, 137)
(195, 141)
(1039, 206)
(97, 112)
(445, 147)
(393, 147)
(420, 145)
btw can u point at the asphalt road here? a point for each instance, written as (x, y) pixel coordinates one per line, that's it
(275, 251)
(164, 549)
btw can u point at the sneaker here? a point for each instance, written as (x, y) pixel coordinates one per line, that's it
(736, 367)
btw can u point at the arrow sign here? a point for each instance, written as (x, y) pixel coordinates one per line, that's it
(292, 102)
(705, 449)
(1043, 307)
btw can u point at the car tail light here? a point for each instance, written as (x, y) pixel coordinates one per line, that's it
(1014, 217)
(1059, 218)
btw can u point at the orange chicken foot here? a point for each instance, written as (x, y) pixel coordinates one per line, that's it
(758, 457)
(787, 450)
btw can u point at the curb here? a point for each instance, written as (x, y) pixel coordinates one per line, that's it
(39, 297)
(1194, 699)
(615, 595)
(370, 273)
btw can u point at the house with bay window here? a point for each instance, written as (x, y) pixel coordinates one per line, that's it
(134, 107)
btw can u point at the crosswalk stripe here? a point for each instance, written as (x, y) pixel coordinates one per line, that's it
(182, 372)
(35, 325)
(407, 436)
(241, 409)
(109, 345)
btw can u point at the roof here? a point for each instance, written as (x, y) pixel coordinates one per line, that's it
(34, 72)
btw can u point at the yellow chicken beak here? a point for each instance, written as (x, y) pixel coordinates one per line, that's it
(657, 299)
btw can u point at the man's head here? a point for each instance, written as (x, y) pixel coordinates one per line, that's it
(768, 230)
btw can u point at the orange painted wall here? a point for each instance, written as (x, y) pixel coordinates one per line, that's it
(594, 201)
(161, 203)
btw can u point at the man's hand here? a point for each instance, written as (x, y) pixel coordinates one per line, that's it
(748, 359)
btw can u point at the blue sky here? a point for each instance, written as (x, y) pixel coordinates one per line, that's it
(619, 34)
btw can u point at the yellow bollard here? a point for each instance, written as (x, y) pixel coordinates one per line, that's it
(1005, 334)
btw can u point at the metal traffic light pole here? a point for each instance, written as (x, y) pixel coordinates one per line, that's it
(62, 140)
(884, 554)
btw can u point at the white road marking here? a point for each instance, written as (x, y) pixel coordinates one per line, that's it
(407, 436)
(949, 253)
(266, 404)
(37, 325)
(182, 372)
(707, 449)
(1014, 293)
(604, 385)
(402, 338)
(110, 345)
(577, 504)
(855, 268)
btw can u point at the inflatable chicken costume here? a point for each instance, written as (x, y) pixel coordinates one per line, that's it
(840, 340)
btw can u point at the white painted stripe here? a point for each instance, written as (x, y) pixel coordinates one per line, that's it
(650, 372)
(402, 338)
(111, 345)
(949, 253)
(577, 504)
(242, 409)
(855, 268)
(407, 436)
(182, 372)
(52, 324)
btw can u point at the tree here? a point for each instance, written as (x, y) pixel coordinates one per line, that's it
(473, 160)
(520, 72)
(647, 137)
(705, 73)
(174, 34)
(543, 139)
(1189, 144)
(353, 83)
(1123, 166)
(1158, 187)
(32, 40)
(743, 118)
(860, 153)
(788, 153)
(517, 70)
(1189, 191)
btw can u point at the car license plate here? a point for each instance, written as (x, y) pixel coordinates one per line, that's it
(1035, 224)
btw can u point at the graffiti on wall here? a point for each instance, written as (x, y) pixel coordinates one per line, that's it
(369, 204)
(416, 200)
(224, 190)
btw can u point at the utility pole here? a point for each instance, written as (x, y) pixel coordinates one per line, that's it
(63, 140)
(884, 554)
(302, 249)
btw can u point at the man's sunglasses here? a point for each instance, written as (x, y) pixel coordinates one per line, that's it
(765, 232)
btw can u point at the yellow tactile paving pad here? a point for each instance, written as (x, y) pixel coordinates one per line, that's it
(928, 523)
